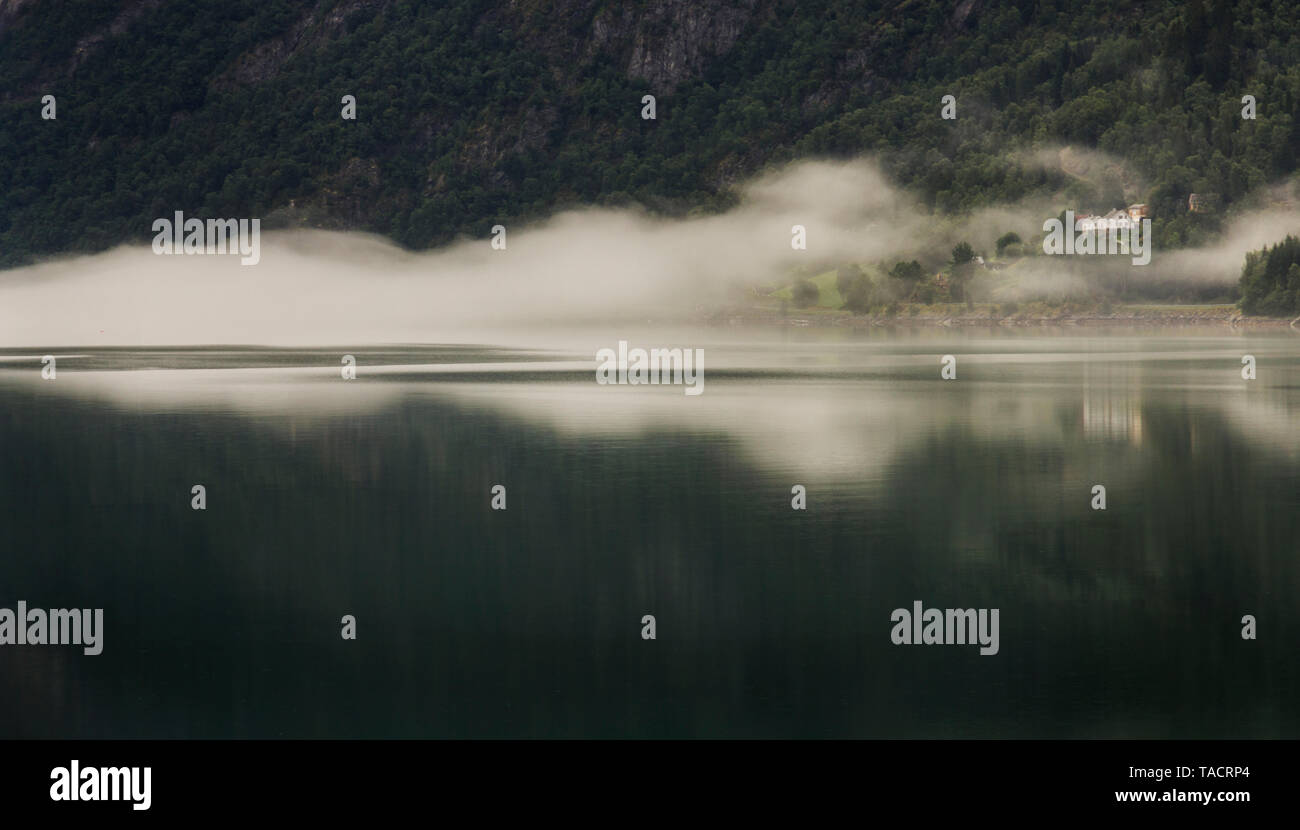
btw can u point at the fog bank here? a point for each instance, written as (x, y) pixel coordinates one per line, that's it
(599, 265)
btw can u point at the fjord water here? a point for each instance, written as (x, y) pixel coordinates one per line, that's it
(371, 497)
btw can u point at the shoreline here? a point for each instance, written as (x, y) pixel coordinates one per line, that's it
(988, 317)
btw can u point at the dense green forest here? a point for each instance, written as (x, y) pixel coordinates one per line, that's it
(473, 112)
(1270, 280)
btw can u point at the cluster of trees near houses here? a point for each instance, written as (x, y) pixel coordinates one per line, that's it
(1270, 280)
(1269, 284)
(877, 288)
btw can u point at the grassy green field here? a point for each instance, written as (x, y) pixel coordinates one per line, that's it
(828, 295)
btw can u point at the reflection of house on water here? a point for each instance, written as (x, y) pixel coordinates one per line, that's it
(1112, 413)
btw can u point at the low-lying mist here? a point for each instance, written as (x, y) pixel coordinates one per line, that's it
(598, 266)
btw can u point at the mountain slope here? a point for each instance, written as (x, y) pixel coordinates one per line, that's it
(476, 112)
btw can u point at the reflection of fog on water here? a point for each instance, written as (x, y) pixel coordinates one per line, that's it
(371, 497)
(1111, 412)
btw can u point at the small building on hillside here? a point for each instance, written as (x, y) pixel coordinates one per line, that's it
(1116, 219)
(1120, 219)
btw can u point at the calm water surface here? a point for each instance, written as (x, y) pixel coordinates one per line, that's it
(371, 497)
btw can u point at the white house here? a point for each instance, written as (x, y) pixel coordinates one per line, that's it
(1119, 219)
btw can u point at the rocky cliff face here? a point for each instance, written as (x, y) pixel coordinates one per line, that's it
(660, 41)
(668, 41)
(317, 26)
(10, 10)
(657, 43)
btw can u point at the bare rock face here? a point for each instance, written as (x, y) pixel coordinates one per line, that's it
(660, 41)
(963, 10)
(130, 12)
(671, 40)
(311, 30)
(9, 10)
(12, 13)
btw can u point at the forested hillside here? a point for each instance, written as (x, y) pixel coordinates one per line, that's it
(473, 112)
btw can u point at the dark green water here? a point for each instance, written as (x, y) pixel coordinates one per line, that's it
(371, 497)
